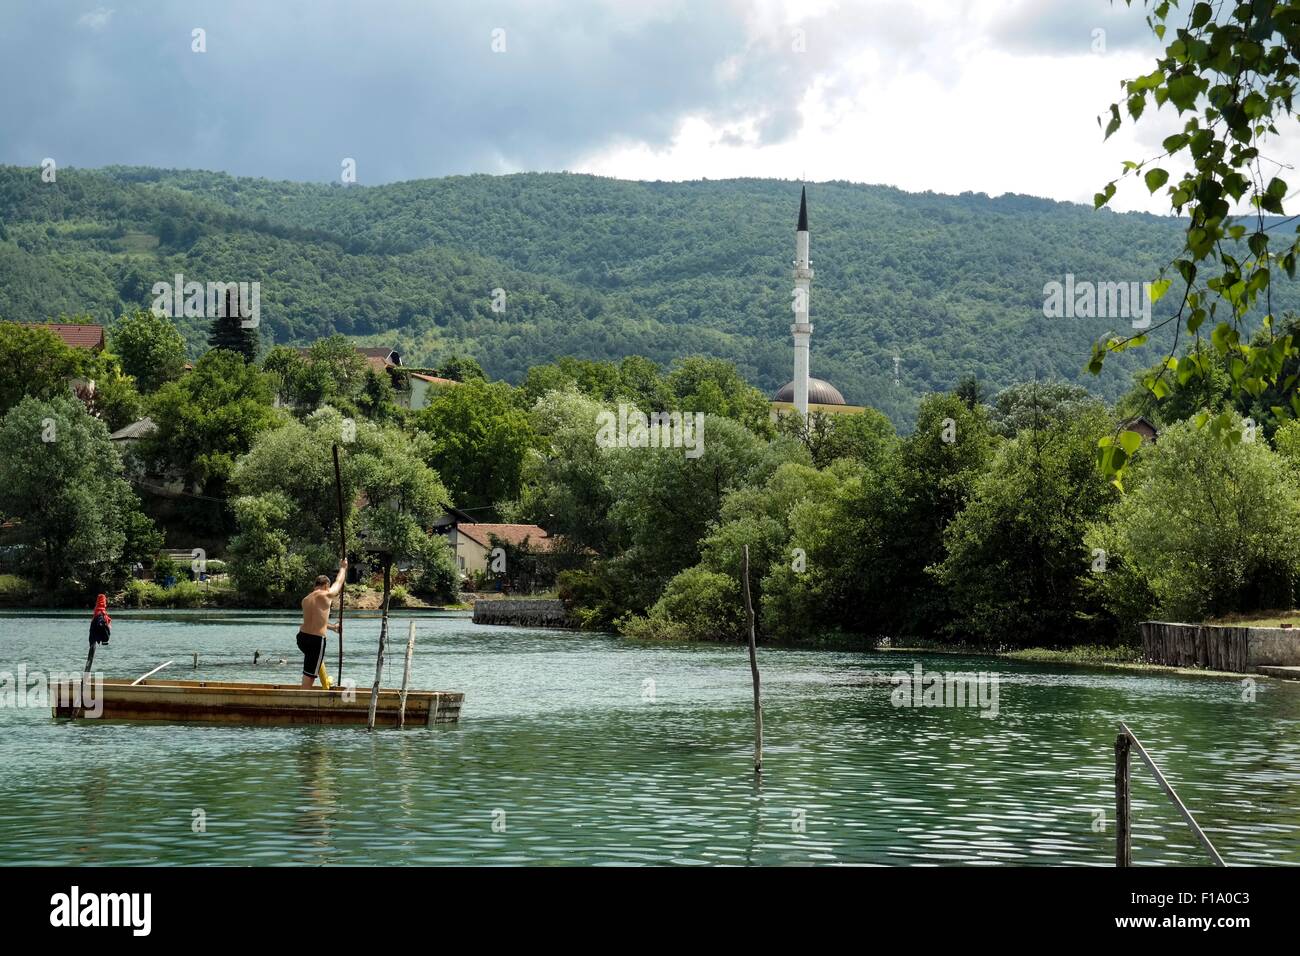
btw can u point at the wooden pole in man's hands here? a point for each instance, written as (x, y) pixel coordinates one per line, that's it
(753, 667)
(343, 553)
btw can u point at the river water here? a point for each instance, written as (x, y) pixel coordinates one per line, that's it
(591, 749)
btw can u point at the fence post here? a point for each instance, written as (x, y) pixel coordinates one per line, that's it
(1123, 828)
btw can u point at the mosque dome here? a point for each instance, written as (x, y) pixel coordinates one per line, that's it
(819, 393)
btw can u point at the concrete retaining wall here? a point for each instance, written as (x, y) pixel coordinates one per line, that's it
(1222, 648)
(522, 613)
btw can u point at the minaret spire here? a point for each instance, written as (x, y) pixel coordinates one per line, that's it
(801, 329)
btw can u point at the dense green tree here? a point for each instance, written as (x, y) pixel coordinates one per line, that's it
(566, 482)
(970, 391)
(151, 349)
(107, 391)
(1036, 405)
(37, 363)
(461, 368)
(867, 437)
(1286, 440)
(715, 387)
(758, 517)
(478, 439)
(62, 479)
(331, 372)
(233, 332)
(697, 604)
(286, 509)
(599, 380)
(890, 527)
(1016, 569)
(642, 381)
(1208, 527)
(664, 502)
(34, 362)
(208, 418)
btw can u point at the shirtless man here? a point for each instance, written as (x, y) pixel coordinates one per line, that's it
(316, 621)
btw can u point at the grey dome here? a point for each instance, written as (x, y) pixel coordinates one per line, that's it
(819, 393)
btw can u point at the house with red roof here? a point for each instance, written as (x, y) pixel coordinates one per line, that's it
(473, 542)
(421, 389)
(77, 336)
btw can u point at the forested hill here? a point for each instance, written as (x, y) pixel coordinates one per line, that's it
(598, 268)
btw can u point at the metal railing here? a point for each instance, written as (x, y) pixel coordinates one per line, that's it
(1125, 744)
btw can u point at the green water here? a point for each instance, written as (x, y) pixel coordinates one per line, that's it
(563, 756)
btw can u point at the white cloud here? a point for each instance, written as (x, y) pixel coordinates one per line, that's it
(96, 19)
(965, 96)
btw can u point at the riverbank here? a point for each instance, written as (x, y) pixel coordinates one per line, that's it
(1119, 658)
(216, 594)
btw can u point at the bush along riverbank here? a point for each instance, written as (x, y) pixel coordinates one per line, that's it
(17, 592)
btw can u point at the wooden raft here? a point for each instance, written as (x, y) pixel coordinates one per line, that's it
(232, 702)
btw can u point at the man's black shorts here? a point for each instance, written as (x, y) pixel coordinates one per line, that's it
(313, 653)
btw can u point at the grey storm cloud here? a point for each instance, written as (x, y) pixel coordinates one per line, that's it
(407, 89)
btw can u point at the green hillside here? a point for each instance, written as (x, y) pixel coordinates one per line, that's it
(598, 268)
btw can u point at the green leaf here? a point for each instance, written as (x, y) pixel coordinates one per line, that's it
(1155, 178)
(1130, 442)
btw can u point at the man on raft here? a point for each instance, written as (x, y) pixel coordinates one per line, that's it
(315, 622)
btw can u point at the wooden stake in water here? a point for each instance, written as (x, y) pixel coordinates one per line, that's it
(753, 667)
(1123, 803)
(383, 639)
(343, 553)
(406, 677)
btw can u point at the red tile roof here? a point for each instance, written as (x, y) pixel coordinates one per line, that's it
(376, 356)
(77, 336)
(514, 534)
(433, 379)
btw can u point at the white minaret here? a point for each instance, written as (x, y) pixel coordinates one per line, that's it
(801, 329)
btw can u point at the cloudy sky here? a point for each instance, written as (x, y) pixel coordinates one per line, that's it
(945, 95)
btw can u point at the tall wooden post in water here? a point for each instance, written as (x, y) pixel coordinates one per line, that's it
(1123, 804)
(343, 553)
(406, 678)
(753, 666)
(383, 639)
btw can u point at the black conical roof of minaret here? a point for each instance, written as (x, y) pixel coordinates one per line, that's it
(803, 211)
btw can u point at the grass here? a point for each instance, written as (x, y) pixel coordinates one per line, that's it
(1083, 654)
(1258, 619)
(14, 590)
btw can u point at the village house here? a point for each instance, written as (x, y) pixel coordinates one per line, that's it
(472, 542)
(1144, 427)
(414, 388)
(89, 337)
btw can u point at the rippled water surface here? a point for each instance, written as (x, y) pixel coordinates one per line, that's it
(573, 754)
